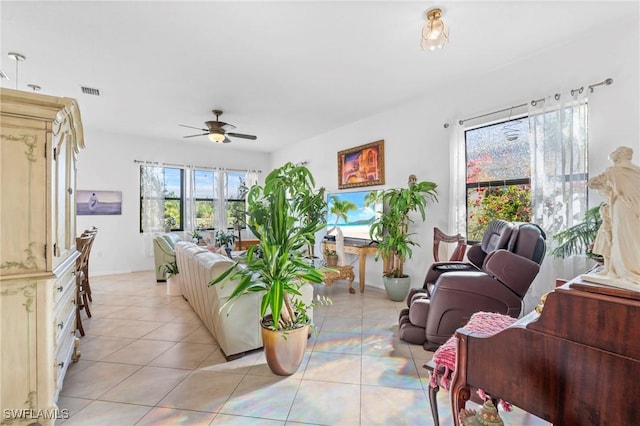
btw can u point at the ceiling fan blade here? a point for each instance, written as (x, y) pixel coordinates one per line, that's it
(193, 136)
(226, 140)
(191, 127)
(240, 135)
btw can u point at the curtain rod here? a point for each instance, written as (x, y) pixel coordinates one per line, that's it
(607, 82)
(195, 167)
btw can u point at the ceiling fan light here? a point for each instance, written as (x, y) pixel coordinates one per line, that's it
(216, 137)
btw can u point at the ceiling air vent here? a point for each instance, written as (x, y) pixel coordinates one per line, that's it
(90, 91)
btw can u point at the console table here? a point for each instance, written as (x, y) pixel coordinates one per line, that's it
(362, 250)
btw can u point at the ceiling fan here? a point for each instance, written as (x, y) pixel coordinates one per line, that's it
(218, 130)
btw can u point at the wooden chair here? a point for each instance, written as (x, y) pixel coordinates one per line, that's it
(440, 237)
(83, 245)
(87, 286)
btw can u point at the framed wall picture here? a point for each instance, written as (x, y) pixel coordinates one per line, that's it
(99, 202)
(361, 166)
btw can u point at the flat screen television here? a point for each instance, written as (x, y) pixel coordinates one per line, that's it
(359, 220)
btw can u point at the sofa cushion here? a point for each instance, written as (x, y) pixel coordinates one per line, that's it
(171, 239)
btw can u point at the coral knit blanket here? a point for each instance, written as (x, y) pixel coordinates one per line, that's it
(445, 356)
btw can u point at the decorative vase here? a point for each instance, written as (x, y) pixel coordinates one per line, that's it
(227, 249)
(332, 260)
(397, 288)
(284, 350)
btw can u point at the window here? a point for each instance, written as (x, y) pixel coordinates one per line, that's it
(498, 175)
(161, 198)
(500, 182)
(235, 190)
(205, 189)
(168, 203)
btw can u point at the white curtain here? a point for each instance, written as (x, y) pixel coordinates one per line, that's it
(221, 205)
(458, 187)
(189, 200)
(152, 192)
(559, 142)
(252, 178)
(558, 136)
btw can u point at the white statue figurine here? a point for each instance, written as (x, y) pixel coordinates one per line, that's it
(618, 239)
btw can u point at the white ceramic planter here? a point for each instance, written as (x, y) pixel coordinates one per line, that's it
(174, 286)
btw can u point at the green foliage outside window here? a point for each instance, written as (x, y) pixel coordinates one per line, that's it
(511, 203)
(172, 211)
(205, 214)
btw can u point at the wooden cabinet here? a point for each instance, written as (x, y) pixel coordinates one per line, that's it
(40, 137)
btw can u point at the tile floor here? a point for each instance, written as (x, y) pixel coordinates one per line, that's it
(148, 360)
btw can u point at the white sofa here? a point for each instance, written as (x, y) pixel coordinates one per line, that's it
(236, 328)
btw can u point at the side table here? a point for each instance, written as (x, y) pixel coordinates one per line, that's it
(338, 273)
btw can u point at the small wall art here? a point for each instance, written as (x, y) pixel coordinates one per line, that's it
(99, 202)
(361, 166)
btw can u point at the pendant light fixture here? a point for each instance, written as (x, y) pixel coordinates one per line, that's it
(18, 57)
(435, 33)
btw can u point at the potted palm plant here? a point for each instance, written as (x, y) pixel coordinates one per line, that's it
(579, 238)
(280, 269)
(391, 231)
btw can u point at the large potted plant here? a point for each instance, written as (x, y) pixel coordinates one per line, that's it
(278, 267)
(391, 231)
(315, 206)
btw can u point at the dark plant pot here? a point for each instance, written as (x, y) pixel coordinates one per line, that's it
(332, 261)
(397, 288)
(284, 350)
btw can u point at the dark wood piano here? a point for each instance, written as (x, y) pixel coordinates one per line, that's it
(576, 363)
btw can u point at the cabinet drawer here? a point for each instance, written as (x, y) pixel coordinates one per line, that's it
(64, 325)
(62, 360)
(63, 282)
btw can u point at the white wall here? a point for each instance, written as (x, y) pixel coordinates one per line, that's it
(107, 163)
(416, 142)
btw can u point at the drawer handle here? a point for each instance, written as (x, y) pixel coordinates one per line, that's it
(61, 364)
(61, 325)
(60, 289)
(73, 301)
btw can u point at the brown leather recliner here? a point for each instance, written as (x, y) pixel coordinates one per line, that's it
(498, 286)
(495, 237)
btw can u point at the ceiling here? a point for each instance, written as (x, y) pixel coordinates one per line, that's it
(284, 71)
